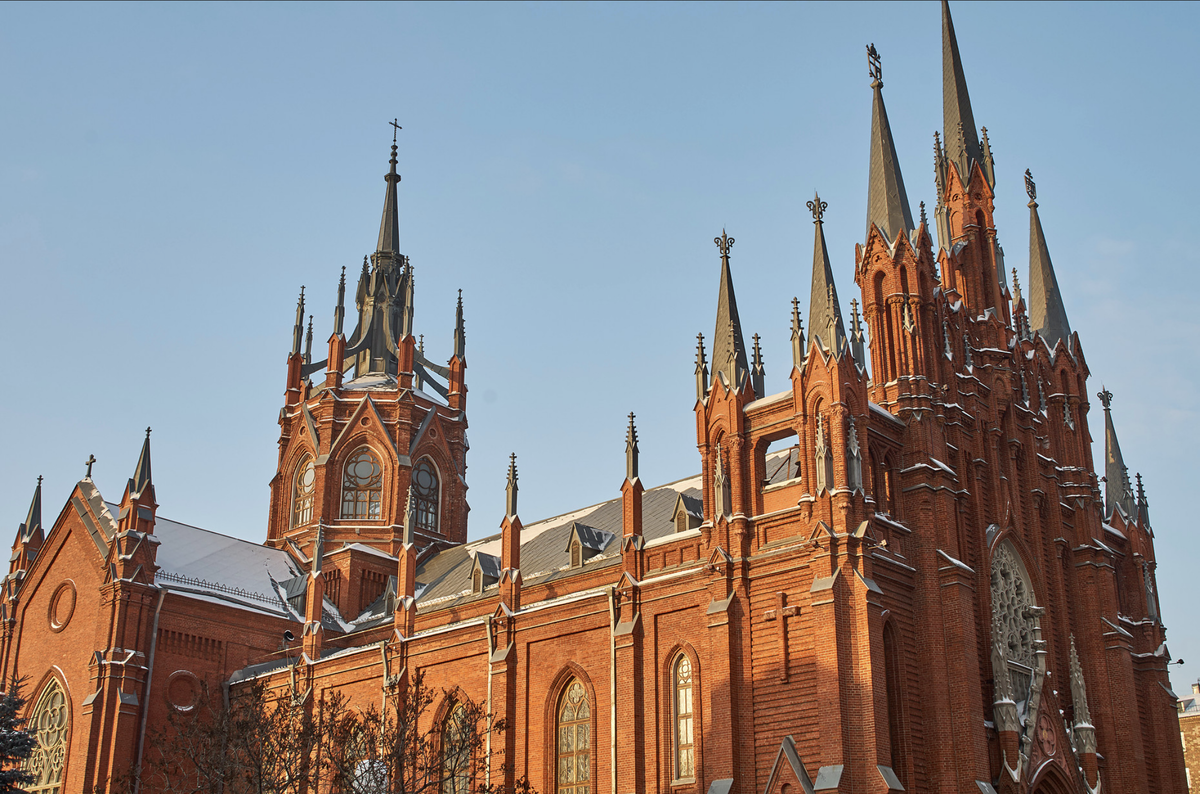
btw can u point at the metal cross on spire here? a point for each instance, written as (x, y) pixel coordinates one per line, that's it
(817, 207)
(395, 123)
(874, 64)
(724, 242)
(91, 459)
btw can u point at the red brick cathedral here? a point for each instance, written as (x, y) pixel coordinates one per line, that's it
(886, 578)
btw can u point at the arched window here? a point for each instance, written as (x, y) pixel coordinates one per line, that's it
(456, 752)
(426, 495)
(1014, 621)
(49, 725)
(685, 747)
(304, 488)
(362, 485)
(574, 749)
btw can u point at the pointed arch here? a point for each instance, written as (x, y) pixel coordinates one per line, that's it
(50, 723)
(304, 489)
(682, 723)
(893, 667)
(362, 485)
(427, 495)
(571, 732)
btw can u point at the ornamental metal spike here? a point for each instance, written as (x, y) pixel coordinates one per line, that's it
(797, 335)
(510, 490)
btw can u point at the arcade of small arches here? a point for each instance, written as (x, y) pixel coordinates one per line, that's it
(362, 490)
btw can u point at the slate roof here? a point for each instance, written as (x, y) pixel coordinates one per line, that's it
(209, 565)
(544, 546)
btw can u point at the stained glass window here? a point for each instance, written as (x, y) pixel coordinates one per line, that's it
(685, 748)
(426, 495)
(305, 488)
(574, 741)
(49, 725)
(362, 486)
(456, 753)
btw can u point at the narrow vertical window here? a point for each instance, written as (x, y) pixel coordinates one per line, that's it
(456, 752)
(574, 741)
(362, 486)
(49, 724)
(303, 491)
(685, 748)
(426, 495)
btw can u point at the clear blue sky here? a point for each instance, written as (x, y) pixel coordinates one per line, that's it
(171, 174)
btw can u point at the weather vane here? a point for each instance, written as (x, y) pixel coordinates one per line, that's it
(874, 64)
(1030, 187)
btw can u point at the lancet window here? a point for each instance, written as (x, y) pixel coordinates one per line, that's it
(684, 728)
(49, 723)
(1014, 618)
(426, 495)
(456, 753)
(304, 490)
(362, 486)
(574, 751)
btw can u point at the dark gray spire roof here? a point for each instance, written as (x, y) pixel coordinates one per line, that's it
(729, 351)
(33, 520)
(758, 375)
(339, 313)
(1117, 490)
(141, 475)
(298, 328)
(958, 122)
(510, 490)
(1047, 315)
(631, 450)
(389, 225)
(887, 203)
(460, 332)
(824, 312)
(1143, 506)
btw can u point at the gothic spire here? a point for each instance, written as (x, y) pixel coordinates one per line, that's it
(631, 451)
(857, 342)
(729, 351)
(958, 122)
(410, 517)
(1116, 487)
(510, 490)
(1047, 315)
(298, 328)
(141, 475)
(1143, 506)
(887, 203)
(339, 313)
(798, 350)
(389, 225)
(460, 332)
(33, 520)
(701, 369)
(824, 313)
(758, 375)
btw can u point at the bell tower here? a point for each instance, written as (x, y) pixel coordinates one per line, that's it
(382, 422)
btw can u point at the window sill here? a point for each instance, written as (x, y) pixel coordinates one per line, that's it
(685, 781)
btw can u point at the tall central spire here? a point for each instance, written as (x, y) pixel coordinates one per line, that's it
(389, 225)
(887, 203)
(958, 122)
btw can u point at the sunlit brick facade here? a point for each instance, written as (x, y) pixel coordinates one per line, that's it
(898, 574)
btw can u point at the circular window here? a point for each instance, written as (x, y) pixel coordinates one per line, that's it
(183, 690)
(307, 476)
(365, 468)
(62, 606)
